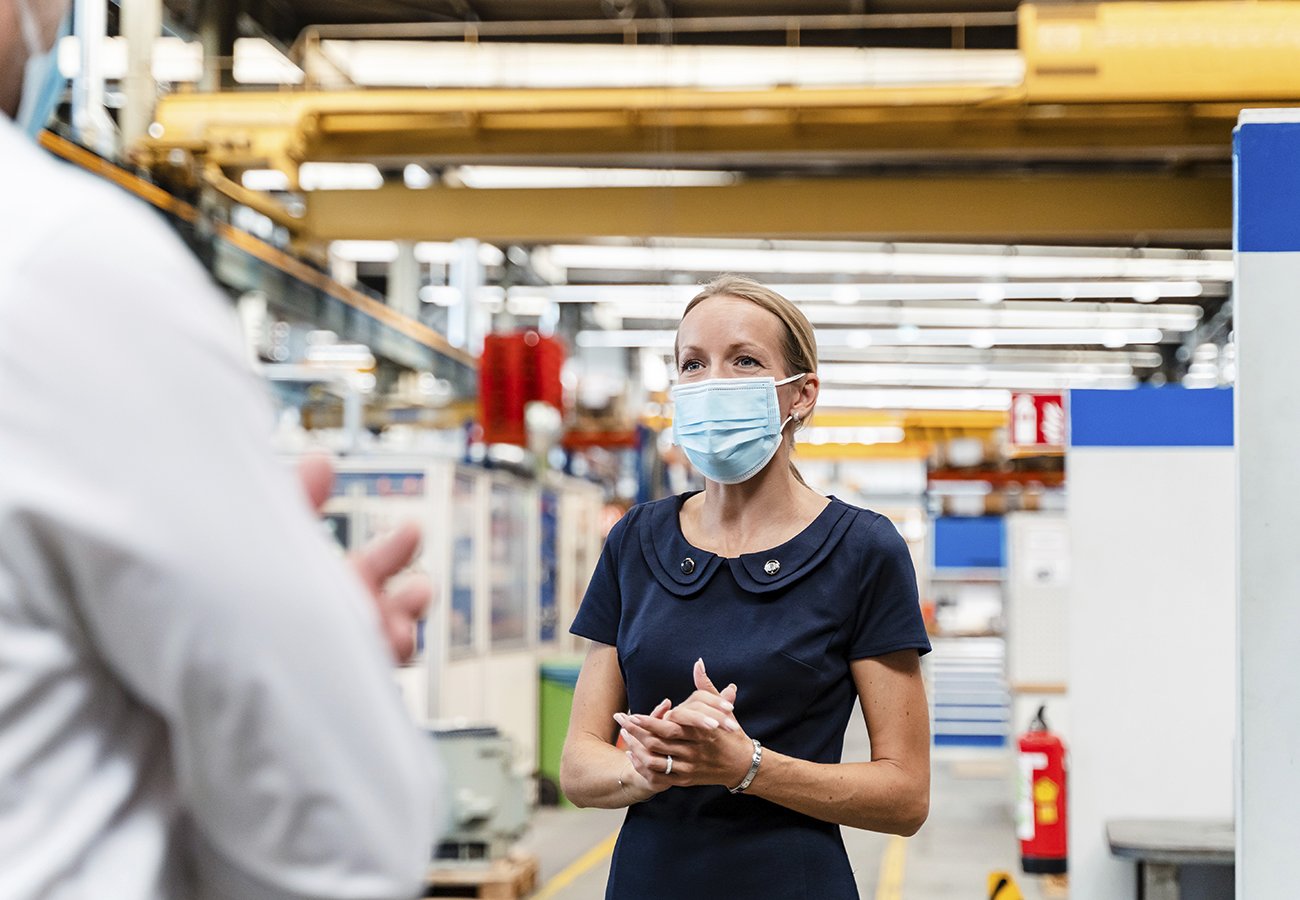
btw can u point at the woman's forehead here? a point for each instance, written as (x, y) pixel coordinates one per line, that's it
(730, 319)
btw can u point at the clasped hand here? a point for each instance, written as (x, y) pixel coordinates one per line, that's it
(701, 737)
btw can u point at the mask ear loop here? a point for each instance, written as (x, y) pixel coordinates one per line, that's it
(798, 422)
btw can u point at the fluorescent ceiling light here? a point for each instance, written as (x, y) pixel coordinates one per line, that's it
(175, 61)
(617, 339)
(265, 180)
(527, 306)
(912, 336)
(1109, 363)
(426, 252)
(319, 176)
(983, 338)
(351, 356)
(417, 177)
(444, 295)
(445, 253)
(501, 64)
(871, 434)
(637, 294)
(258, 61)
(1020, 315)
(972, 376)
(1008, 357)
(364, 251)
(505, 177)
(439, 295)
(913, 398)
(938, 263)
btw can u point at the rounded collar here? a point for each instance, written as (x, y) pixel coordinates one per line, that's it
(684, 569)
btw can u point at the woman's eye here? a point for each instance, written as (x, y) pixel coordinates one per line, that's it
(747, 361)
(690, 365)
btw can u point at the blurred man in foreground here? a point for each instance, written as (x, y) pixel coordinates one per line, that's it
(195, 689)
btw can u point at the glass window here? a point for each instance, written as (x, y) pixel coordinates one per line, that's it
(463, 568)
(509, 567)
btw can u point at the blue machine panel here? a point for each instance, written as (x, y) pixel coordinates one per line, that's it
(1267, 190)
(1168, 416)
(977, 542)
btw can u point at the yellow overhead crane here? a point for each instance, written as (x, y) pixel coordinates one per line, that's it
(1125, 83)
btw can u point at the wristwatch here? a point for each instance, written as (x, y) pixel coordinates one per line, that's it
(753, 770)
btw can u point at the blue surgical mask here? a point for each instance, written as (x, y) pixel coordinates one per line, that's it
(42, 81)
(729, 428)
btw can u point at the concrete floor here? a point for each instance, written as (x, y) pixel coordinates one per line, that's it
(970, 833)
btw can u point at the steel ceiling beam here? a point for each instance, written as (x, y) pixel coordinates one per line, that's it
(1102, 208)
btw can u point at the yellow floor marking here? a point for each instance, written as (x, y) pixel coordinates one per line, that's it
(589, 860)
(890, 885)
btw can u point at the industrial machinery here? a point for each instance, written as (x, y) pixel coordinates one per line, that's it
(489, 806)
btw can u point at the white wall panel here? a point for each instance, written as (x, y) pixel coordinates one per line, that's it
(1151, 644)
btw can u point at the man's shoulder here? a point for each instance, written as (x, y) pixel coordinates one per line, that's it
(49, 201)
(79, 243)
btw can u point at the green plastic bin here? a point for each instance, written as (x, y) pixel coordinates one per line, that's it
(556, 684)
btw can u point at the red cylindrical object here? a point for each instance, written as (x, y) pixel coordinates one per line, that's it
(1041, 822)
(514, 370)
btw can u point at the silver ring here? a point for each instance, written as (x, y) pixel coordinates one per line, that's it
(668, 770)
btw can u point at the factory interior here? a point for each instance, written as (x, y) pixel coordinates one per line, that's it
(1049, 253)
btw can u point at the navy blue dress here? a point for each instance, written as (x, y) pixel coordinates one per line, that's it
(783, 624)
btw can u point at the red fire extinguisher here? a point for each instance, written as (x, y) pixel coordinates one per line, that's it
(1041, 800)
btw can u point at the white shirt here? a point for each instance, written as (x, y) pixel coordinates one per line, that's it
(195, 699)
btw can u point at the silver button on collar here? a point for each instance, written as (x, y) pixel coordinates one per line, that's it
(688, 566)
(772, 566)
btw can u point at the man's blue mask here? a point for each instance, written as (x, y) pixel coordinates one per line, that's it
(42, 81)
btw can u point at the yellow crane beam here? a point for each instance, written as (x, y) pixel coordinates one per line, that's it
(1042, 208)
(1193, 50)
(673, 127)
(1120, 77)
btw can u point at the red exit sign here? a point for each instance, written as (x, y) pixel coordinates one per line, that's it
(1037, 420)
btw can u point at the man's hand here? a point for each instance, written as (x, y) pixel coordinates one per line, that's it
(400, 604)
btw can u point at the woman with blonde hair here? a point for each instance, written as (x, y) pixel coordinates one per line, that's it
(800, 604)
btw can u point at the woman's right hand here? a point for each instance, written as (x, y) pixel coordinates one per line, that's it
(701, 737)
(636, 785)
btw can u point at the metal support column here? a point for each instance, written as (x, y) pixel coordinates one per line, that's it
(141, 26)
(217, 32)
(94, 127)
(466, 323)
(404, 281)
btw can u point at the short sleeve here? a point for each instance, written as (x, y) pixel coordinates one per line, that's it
(889, 617)
(602, 606)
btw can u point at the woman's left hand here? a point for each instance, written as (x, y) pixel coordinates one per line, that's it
(701, 737)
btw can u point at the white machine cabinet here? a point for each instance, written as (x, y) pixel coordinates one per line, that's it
(477, 657)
